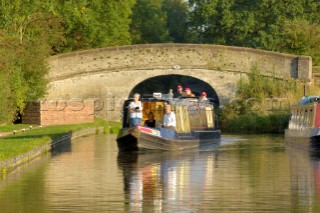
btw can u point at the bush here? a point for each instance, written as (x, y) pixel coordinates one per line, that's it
(257, 123)
(258, 116)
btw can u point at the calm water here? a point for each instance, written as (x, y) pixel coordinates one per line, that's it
(242, 174)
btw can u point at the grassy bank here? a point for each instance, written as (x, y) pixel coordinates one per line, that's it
(262, 104)
(22, 142)
(257, 123)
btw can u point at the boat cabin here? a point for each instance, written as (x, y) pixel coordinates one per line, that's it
(305, 115)
(191, 114)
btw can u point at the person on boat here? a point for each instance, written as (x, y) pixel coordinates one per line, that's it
(170, 93)
(179, 92)
(203, 97)
(135, 109)
(169, 118)
(188, 93)
(151, 122)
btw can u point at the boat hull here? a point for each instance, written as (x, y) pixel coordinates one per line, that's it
(306, 139)
(135, 139)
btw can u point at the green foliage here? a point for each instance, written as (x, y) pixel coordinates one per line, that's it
(23, 70)
(257, 123)
(260, 87)
(114, 127)
(149, 22)
(11, 127)
(228, 114)
(27, 39)
(13, 78)
(109, 126)
(301, 37)
(177, 11)
(262, 105)
(32, 30)
(281, 25)
(7, 107)
(95, 23)
(4, 172)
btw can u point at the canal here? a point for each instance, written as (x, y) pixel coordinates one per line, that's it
(247, 173)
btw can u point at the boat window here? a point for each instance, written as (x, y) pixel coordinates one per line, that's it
(201, 116)
(300, 119)
(296, 120)
(305, 119)
(156, 107)
(310, 119)
(291, 119)
(297, 123)
(182, 118)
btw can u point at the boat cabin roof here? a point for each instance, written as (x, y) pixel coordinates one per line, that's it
(309, 99)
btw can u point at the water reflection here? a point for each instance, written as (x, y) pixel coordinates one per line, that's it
(234, 177)
(251, 173)
(305, 179)
(19, 193)
(166, 181)
(83, 178)
(86, 179)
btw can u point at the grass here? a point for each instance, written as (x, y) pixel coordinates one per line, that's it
(10, 128)
(258, 123)
(23, 142)
(269, 113)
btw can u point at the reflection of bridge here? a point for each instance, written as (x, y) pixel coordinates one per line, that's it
(112, 73)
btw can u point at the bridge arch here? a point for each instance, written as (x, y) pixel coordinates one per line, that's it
(110, 74)
(163, 83)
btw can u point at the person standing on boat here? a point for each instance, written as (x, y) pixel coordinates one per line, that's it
(179, 92)
(170, 93)
(169, 118)
(135, 108)
(203, 97)
(189, 93)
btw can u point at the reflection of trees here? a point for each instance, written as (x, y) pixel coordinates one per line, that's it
(24, 187)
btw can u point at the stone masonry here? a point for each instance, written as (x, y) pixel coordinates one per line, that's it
(108, 75)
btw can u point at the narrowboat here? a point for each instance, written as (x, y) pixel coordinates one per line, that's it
(304, 124)
(196, 123)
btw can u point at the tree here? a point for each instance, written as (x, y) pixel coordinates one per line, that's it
(95, 23)
(302, 38)
(26, 41)
(250, 23)
(117, 19)
(176, 11)
(32, 30)
(149, 22)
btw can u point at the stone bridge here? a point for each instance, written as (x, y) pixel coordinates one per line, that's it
(110, 74)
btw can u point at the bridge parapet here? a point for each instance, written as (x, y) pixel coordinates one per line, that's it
(110, 74)
(187, 56)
